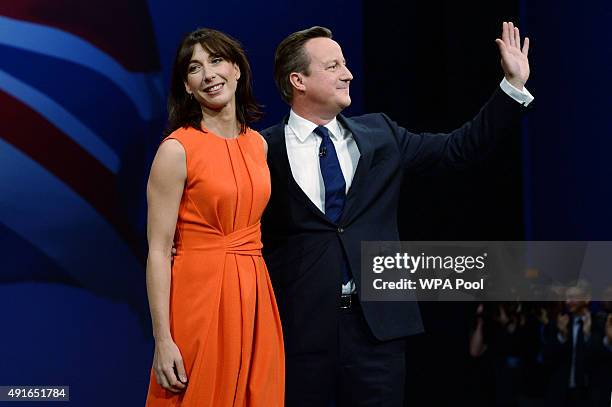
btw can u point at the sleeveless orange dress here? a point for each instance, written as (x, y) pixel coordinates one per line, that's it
(223, 314)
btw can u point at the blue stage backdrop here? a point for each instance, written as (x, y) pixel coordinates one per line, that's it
(567, 138)
(82, 106)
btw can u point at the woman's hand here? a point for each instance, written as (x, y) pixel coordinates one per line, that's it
(168, 366)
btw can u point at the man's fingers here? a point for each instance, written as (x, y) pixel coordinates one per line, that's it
(505, 36)
(507, 33)
(517, 37)
(525, 49)
(501, 45)
(511, 34)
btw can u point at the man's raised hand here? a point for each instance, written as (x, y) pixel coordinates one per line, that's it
(514, 60)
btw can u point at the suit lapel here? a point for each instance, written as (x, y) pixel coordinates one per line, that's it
(279, 161)
(366, 150)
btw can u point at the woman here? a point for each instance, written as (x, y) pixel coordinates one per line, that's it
(218, 338)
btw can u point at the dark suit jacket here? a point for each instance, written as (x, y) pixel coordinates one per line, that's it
(601, 370)
(304, 249)
(558, 359)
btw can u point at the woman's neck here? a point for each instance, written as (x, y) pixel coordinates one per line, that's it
(223, 123)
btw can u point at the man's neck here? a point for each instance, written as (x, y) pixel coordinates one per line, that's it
(318, 118)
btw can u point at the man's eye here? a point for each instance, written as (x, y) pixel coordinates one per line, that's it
(332, 67)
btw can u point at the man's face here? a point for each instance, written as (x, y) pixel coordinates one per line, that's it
(576, 300)
(327, 87)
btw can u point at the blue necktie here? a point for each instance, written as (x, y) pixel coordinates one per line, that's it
(335, 186)
(578, 361)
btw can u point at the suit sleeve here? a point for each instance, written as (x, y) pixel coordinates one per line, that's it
(458, 149)
(554, 350)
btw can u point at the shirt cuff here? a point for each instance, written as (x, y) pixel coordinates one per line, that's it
(523, 97)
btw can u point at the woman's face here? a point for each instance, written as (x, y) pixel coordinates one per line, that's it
(212, 80)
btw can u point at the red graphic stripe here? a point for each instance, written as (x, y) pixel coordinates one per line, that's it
(121, 29)
(32, 134)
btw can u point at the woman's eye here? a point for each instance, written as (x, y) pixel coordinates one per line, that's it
(216, 60)
(193, 69)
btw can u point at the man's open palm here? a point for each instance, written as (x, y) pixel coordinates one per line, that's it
(514, 60)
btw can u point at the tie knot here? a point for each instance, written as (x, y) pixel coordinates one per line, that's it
(322, 132)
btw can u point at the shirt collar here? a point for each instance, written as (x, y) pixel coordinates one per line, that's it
(579, 318)
(303, 128)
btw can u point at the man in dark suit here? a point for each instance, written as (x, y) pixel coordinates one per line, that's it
(336, 183)
(578, 352)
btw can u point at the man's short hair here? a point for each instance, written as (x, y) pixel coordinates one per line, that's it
(290, 56)
(579, 290)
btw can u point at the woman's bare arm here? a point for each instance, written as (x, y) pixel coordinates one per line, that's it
(164, 193)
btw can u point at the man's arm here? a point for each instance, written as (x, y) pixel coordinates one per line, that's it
(523, 97)
(515, 63)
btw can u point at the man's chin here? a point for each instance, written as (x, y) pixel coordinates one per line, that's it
(338, 107)
(345, 103)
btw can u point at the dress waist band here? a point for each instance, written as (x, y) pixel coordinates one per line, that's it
(245, 241)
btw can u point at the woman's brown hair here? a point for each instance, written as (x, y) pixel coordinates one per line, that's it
(184, 110)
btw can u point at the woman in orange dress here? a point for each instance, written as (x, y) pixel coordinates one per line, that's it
(218, 337)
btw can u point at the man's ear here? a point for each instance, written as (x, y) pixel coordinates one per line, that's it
(297, 81)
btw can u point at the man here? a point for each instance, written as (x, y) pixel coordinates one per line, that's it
(335, 183)
(578, 352)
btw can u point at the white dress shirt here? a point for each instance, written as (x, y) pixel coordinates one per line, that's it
(303, 152)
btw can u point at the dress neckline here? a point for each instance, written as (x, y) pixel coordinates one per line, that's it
(212, 133)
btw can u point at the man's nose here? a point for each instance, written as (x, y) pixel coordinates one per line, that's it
(347, 75)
